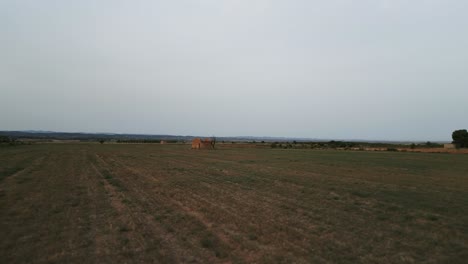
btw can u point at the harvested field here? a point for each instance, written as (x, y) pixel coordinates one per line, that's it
(82, 203)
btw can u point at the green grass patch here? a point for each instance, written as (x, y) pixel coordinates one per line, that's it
(124, 229)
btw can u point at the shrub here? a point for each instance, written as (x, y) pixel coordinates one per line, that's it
(207, 242)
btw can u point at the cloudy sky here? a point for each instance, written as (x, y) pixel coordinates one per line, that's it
(341, 69)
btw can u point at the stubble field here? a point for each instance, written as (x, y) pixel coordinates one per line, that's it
(126, 203)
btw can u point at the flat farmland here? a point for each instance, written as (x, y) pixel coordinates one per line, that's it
(140, 203)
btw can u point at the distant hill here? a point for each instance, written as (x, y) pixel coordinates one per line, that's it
(32, 134)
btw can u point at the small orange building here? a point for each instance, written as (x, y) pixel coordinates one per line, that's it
(198, 143)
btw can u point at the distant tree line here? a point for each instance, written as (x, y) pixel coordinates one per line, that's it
(5, 139)
(350, 145)
(316, 145)
(152, 141)
(10, 141)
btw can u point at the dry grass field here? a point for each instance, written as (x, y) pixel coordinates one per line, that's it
(137, 203)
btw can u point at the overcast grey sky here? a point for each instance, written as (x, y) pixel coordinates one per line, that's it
(343, 69)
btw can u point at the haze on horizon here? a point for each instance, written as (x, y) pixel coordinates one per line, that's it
(370, 69)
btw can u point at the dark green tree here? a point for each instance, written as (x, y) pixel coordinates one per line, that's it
(4, 139)
(460, 138)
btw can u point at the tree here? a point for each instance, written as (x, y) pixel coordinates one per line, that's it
(460, 138)
(213, 141)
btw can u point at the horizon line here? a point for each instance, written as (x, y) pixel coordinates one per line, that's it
(240, 137)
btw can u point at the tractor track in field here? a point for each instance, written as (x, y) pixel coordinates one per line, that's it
(147, 202)
(234, 212)
(139, 222)
(174, 202)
